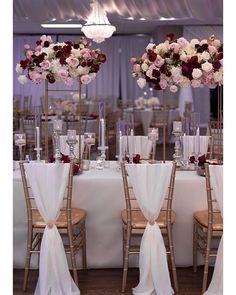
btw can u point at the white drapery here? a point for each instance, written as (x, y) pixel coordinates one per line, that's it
(190, 145)
(142, 145)
(150, 183)
(216, 285)
(48, 182)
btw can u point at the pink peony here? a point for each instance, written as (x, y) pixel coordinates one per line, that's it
(45, 65)
(72, 62)
(133, 60)
(144, 56)
(62, 73)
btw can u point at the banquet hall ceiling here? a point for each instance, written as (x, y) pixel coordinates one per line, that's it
(28, 14)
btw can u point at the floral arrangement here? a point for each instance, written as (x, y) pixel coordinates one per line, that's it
(144, 102)
(66, 159)
(179, 63)
(136, 159)
(65, 61)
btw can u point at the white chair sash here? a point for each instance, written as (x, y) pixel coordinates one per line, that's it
(48, 183)
(150, 184)
(216, 178)
(64, 147)
(142, 145)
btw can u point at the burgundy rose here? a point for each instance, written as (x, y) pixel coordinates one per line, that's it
(151, 55)
(193, 59)
(69, 43)
(83, 64)
(24, 63)
(170, 36)
(220, 49)
(95, 68)
(102, 57)
(76, 46)
(50, 78)
(58, 54)
(65, 159)
(66, 50)
(38, 42)
(176, 56)
(204, 47)
(167, 55)
(202, 160)
(216, 65)
(220, 56)
(62, 60)
(55, 48)
(136, 159)
(156, 73)
(46, 44)
(192, 159)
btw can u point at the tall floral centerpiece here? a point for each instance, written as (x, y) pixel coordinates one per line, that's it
(179, 63)
(62, 61)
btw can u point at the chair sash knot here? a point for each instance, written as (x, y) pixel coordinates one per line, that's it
(50, 224)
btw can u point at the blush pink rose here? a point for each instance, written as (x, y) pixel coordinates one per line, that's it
(133, 60)
(173, 88)
(35, 77)
(72, 62)
(62, 73)
(85, 79)
(196, 83)
(136, 68)
(45, 65)
(26, 46)
(144, 56)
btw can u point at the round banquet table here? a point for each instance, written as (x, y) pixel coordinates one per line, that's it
(100, 193)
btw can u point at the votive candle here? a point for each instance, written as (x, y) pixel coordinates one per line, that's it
(71, 134)
(57, 125)
(177, 126)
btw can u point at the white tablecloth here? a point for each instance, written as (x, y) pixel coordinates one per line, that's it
(98, 190)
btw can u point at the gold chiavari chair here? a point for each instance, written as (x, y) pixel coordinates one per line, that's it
(134, 222)
(207, 226)
(70, 224)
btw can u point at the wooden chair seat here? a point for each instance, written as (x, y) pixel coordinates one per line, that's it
(140, 222)
(202, 218)
(77, 215)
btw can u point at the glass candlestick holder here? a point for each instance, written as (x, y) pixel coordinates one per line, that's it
(20, 141)
(153, 135)
(56, 137)
(178, 154)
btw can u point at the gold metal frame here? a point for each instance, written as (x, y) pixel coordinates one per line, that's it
(47, 90)
(204, 234)
(74, 231)
(131, 226)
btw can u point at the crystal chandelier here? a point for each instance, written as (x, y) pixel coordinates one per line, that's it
(98, 26)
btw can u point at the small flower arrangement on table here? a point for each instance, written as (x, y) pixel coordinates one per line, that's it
(179, 63)
(66, 159)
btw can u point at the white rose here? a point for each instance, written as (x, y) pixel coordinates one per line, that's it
(19, 69)
(194, 42)
(218, 78)
(205, 55)
(175, 71)
(141, 82)
(144, 67)
(92, 75)
(207, 67)
(76, 52)
(197, 73)
(150, 46)
(22, 79)
(183, 56)
(82, 70)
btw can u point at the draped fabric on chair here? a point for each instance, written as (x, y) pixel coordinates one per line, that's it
(150, 194)
(48, 182)
(216, 285)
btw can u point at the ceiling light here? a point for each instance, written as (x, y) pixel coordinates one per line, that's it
(60, 26)
(167, 18)
(142, 18)
(98, 26)
(130, 18)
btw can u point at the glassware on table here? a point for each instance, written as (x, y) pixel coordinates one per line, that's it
(20, 141)
(153, 135)
(89, 141)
